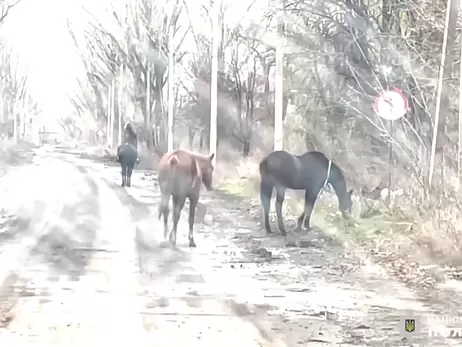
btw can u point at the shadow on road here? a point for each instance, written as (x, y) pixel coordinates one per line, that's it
(13, 227)
(153, 261)
(67, 247)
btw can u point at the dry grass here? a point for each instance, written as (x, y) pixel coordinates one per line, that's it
(405, 233)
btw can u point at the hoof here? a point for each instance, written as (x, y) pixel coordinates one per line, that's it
(192, 243)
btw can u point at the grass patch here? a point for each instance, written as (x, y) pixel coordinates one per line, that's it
(325, 215)
(385, 235)
(365, 232)
(239, 188)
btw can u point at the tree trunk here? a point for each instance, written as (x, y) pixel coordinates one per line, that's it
(246, 148)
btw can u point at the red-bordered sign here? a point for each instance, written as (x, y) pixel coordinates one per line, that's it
(391, 104)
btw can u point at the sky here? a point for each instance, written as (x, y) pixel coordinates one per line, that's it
(37, 32)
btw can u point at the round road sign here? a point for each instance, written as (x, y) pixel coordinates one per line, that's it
(391, 104)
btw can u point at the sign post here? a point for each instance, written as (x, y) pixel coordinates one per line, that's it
(391, 105)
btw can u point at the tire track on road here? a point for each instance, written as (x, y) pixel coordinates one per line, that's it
(186, 298)
(36, 222)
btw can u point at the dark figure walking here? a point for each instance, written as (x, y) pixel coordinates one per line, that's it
(130, 135)
(181, 174)
(127, 154)
(310, 172)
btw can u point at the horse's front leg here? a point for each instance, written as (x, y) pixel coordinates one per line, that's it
(310, 199)
(300, 221)
(280, 195)
(192, 213)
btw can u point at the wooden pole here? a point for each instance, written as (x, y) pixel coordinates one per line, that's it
(112, 111)
(121, 105)
(439, 94)
(459, 154)
(111, 116)
(108, 122)
(279, 87)
(15, 126)
(390, 161)
(171, 97)
(214, 85)
(148, 104)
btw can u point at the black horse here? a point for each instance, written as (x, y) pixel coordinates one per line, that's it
(310, 172)
(127, 156)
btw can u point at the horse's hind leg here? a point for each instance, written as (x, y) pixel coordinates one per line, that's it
(178, 203)
(280, 195)
(124, 175)
(300, 221)
(164, 212)
(266, 190)
(192, 213)
(129, 175)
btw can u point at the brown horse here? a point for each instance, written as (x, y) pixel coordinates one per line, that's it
(181, 173)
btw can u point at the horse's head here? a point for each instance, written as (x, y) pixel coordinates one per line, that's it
(207, 171)
(345, 204)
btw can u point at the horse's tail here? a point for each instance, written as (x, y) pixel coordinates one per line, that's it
(263, 167)
(173, 160)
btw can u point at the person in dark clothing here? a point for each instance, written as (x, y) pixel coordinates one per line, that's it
(130, 138)
(130, 135)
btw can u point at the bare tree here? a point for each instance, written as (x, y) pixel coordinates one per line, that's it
(5, 9)
(140, 44)
(14, 94)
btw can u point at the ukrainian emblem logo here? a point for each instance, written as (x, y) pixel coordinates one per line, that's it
(409, 325)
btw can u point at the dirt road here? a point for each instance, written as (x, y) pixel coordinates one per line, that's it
(80, 265)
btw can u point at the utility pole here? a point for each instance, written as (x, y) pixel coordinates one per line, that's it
(448, 41)
(121, 105)
(108, 122)
(279, 85)
(15, 127)
(147, 121)
(22, 122)
(124, 98)
(112, 111)
(459, 154)
(171, 97)
(214, 84)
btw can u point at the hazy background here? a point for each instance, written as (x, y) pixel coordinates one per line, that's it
(37, 32)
